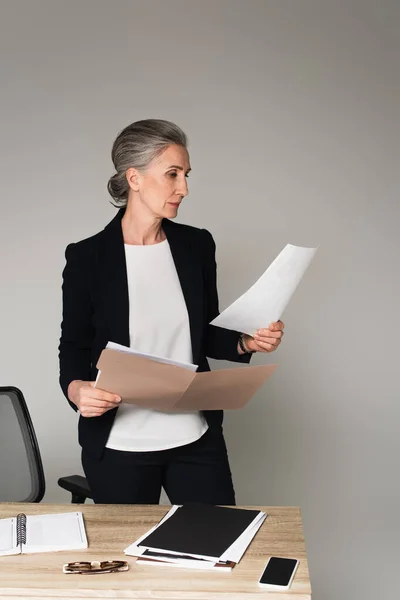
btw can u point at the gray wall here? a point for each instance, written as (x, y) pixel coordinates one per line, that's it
(291, 108)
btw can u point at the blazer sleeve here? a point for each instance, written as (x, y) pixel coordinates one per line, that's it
(220, 343)
(76, 327)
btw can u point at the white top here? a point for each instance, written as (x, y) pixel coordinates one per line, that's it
(158, 324)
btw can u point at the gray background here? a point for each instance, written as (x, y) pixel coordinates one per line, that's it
(291, 108)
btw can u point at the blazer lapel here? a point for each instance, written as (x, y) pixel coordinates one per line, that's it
(114, 282)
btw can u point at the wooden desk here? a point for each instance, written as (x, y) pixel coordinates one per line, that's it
(111, 528)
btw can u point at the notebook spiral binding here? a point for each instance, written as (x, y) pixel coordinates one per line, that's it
(21, 529)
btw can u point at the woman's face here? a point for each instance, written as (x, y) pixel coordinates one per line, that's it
(162, 187)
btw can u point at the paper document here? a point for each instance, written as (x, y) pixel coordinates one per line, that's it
(166, 361)
(153, 384)
(128, 350)
(266, 300)
(198, 537)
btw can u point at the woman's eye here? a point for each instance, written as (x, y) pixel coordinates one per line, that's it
(175, 174)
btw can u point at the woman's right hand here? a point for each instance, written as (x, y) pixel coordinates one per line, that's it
(91, 401)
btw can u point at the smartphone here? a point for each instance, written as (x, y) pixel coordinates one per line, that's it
(278, 573)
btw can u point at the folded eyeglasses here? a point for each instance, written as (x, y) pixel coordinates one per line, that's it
(95, 566)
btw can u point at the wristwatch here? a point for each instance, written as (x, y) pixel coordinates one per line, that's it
(243, 347)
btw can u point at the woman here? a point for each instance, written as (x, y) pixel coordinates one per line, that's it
(149, 283)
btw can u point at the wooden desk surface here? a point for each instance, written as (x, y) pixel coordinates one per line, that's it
(111, 528)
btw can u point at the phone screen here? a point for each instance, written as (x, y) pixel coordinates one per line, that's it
(278, 571)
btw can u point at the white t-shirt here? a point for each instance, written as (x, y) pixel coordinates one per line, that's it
(158, 324)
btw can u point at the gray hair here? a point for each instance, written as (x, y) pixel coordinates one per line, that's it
(136, 146)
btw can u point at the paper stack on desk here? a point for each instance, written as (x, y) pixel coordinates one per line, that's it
(198, 536)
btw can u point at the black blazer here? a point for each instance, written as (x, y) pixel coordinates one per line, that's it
(96, 310)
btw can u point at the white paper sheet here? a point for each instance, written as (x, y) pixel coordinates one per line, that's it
(8, 537)
(167, 361)
(161, 359)
(239, 547)
(266, 300)
(53, 532)
(186, 564)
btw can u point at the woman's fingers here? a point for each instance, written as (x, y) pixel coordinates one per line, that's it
(88, 410)
(268, 346)
(94, 402)
(98, 394)
(273, 340)
(262, 333)
(88, 413)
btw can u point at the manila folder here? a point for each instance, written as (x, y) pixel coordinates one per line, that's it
(161, 386)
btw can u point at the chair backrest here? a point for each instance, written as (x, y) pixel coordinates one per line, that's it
(21, 469)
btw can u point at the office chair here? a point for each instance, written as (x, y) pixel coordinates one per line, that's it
(21, 469)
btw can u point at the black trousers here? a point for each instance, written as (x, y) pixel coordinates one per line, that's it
(196, 472)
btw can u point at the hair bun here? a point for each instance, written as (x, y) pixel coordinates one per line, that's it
(118, 188)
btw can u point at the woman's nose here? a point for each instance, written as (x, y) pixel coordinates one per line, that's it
(183, 188)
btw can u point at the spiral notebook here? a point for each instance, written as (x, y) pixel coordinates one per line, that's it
(42, 533)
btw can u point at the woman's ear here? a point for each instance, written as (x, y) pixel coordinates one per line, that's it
(132, 177)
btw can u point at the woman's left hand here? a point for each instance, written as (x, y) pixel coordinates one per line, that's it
(265, 340)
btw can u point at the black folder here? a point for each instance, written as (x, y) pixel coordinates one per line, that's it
(200, 529)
